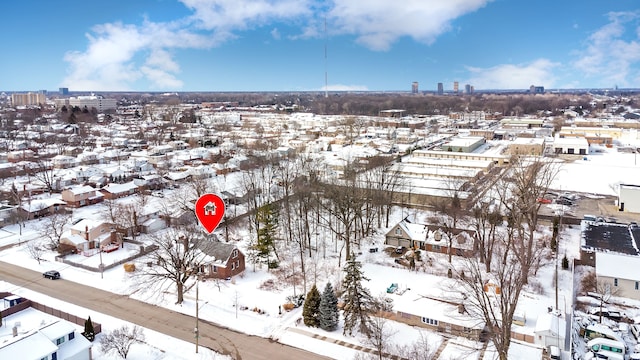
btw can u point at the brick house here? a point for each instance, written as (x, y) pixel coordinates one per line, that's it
(87, 236)
(81, 196)
(222, 260)
(116, 191)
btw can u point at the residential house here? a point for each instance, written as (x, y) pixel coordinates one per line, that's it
(222, 260)
(620, 273)
(115, 191)
(88, 158)
(81, 196)
(30, 332)
(433, 238)
(63, 161)
(36, 208)
(87, 236)
(444, 316)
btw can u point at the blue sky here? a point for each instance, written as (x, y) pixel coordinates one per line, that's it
(279, 45)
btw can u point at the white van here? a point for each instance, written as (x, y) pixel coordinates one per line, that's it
(607, 348)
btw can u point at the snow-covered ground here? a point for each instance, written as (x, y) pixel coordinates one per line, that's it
(248, 291)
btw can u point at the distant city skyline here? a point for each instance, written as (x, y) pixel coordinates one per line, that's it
(279, 45)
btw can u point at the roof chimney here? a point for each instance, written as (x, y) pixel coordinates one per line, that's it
(86, 232)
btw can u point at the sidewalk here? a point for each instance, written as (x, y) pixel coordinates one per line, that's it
(342, 343)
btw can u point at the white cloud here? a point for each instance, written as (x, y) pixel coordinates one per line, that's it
(230, 15)
(513, 76)
(124, 56)
(378, 23)
(109, 62)
(610, 57)
(275, 33)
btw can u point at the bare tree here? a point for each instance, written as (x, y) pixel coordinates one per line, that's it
(486, 218)
(42, 170)
(53, 228)
(176, 261)
(491, 298)
(379, 335)
(603, 290)
(421, 349)
(525, 181)
(36, 250)
(121, 339)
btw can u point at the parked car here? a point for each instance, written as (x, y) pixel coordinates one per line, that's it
(544, 201)
(564, 201)
(51, 274)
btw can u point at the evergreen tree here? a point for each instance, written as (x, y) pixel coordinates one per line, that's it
(268, 218)
(88, 332)
(328, 312)
(311, 307)
(357, 299)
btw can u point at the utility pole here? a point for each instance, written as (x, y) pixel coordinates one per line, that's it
(197, 320)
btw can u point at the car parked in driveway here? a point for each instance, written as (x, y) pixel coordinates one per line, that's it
(51, 274)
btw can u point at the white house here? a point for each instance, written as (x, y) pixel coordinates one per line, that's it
(620, 272)
(55, 340)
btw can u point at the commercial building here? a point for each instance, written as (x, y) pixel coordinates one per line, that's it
(414, 87)
(440, 88)
(98, 102)
(29, 98)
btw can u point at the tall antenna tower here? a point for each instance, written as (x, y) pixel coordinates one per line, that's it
(326, 83)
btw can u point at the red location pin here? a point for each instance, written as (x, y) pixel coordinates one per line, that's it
(209, 210)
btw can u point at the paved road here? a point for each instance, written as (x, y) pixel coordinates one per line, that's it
(177, 325)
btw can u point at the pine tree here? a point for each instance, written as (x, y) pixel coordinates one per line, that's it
(357, 299)
(328, 312)
(88, 332)
(267, 216)
(310, 311)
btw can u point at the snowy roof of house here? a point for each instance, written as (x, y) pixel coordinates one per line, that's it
(86, 224)
(618, 266)
(57, 329)
(81, 189)
(218, 251)
(432, 308)
(39, 204)
(74, 239)
(120, 188)
(33, 345)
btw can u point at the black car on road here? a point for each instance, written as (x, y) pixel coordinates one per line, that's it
(51, 274)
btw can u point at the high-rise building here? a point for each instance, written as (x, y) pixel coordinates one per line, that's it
(536, 89)
(455, 87)
(440, 89)
(468, 89)
(29, 98)
(414, 87)
(63, 91)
